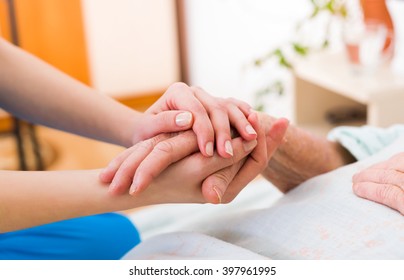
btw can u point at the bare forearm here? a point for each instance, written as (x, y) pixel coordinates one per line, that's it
(34, 90)
(30, 198)
(303, 156)
(33, 198)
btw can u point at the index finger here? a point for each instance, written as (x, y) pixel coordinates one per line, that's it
(181, 97)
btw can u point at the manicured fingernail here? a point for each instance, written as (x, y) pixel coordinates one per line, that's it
(248, 146)
(250, 130)
(209, 149)
(183, 119)
(228, 147)
(218, 193)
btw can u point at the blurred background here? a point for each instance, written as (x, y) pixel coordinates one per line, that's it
(320, 63)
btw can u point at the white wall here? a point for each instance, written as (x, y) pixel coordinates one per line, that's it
(225, 36)
(132, 45)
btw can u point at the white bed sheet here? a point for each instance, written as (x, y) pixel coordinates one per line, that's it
(321, 219)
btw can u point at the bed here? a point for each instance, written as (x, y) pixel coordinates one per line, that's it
(320, 219)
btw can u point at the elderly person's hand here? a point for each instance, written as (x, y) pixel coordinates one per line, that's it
(383, 183)
(228, 182)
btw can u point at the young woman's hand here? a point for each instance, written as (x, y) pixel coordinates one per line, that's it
(182, 107)
(211, 119)
(150, 160)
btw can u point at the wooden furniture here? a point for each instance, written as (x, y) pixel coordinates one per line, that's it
(24, 133)
(325, 81)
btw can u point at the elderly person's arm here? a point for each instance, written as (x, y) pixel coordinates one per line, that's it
(301, 156)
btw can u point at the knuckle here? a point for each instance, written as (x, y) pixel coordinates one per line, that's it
(393, 178)
(179, 86)
(384, 177)
(159, 120)
(233, 161)
(231, 100)
(380, 193)
(386, 194)
(397, 178)
(125, 170)
(222, 178)
(165, 148)
(237, 103)
(261, 161)
(187, 137)
(216, 109)
(158, 138)
(393, 195)
(199, 111)
(149, 144)
(199, 89)
(245, 104)
(146, 144)
(222, 102)
(114, 163)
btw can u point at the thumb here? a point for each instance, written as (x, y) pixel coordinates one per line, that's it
(215, 186)
(275, 135)
(166, 122)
